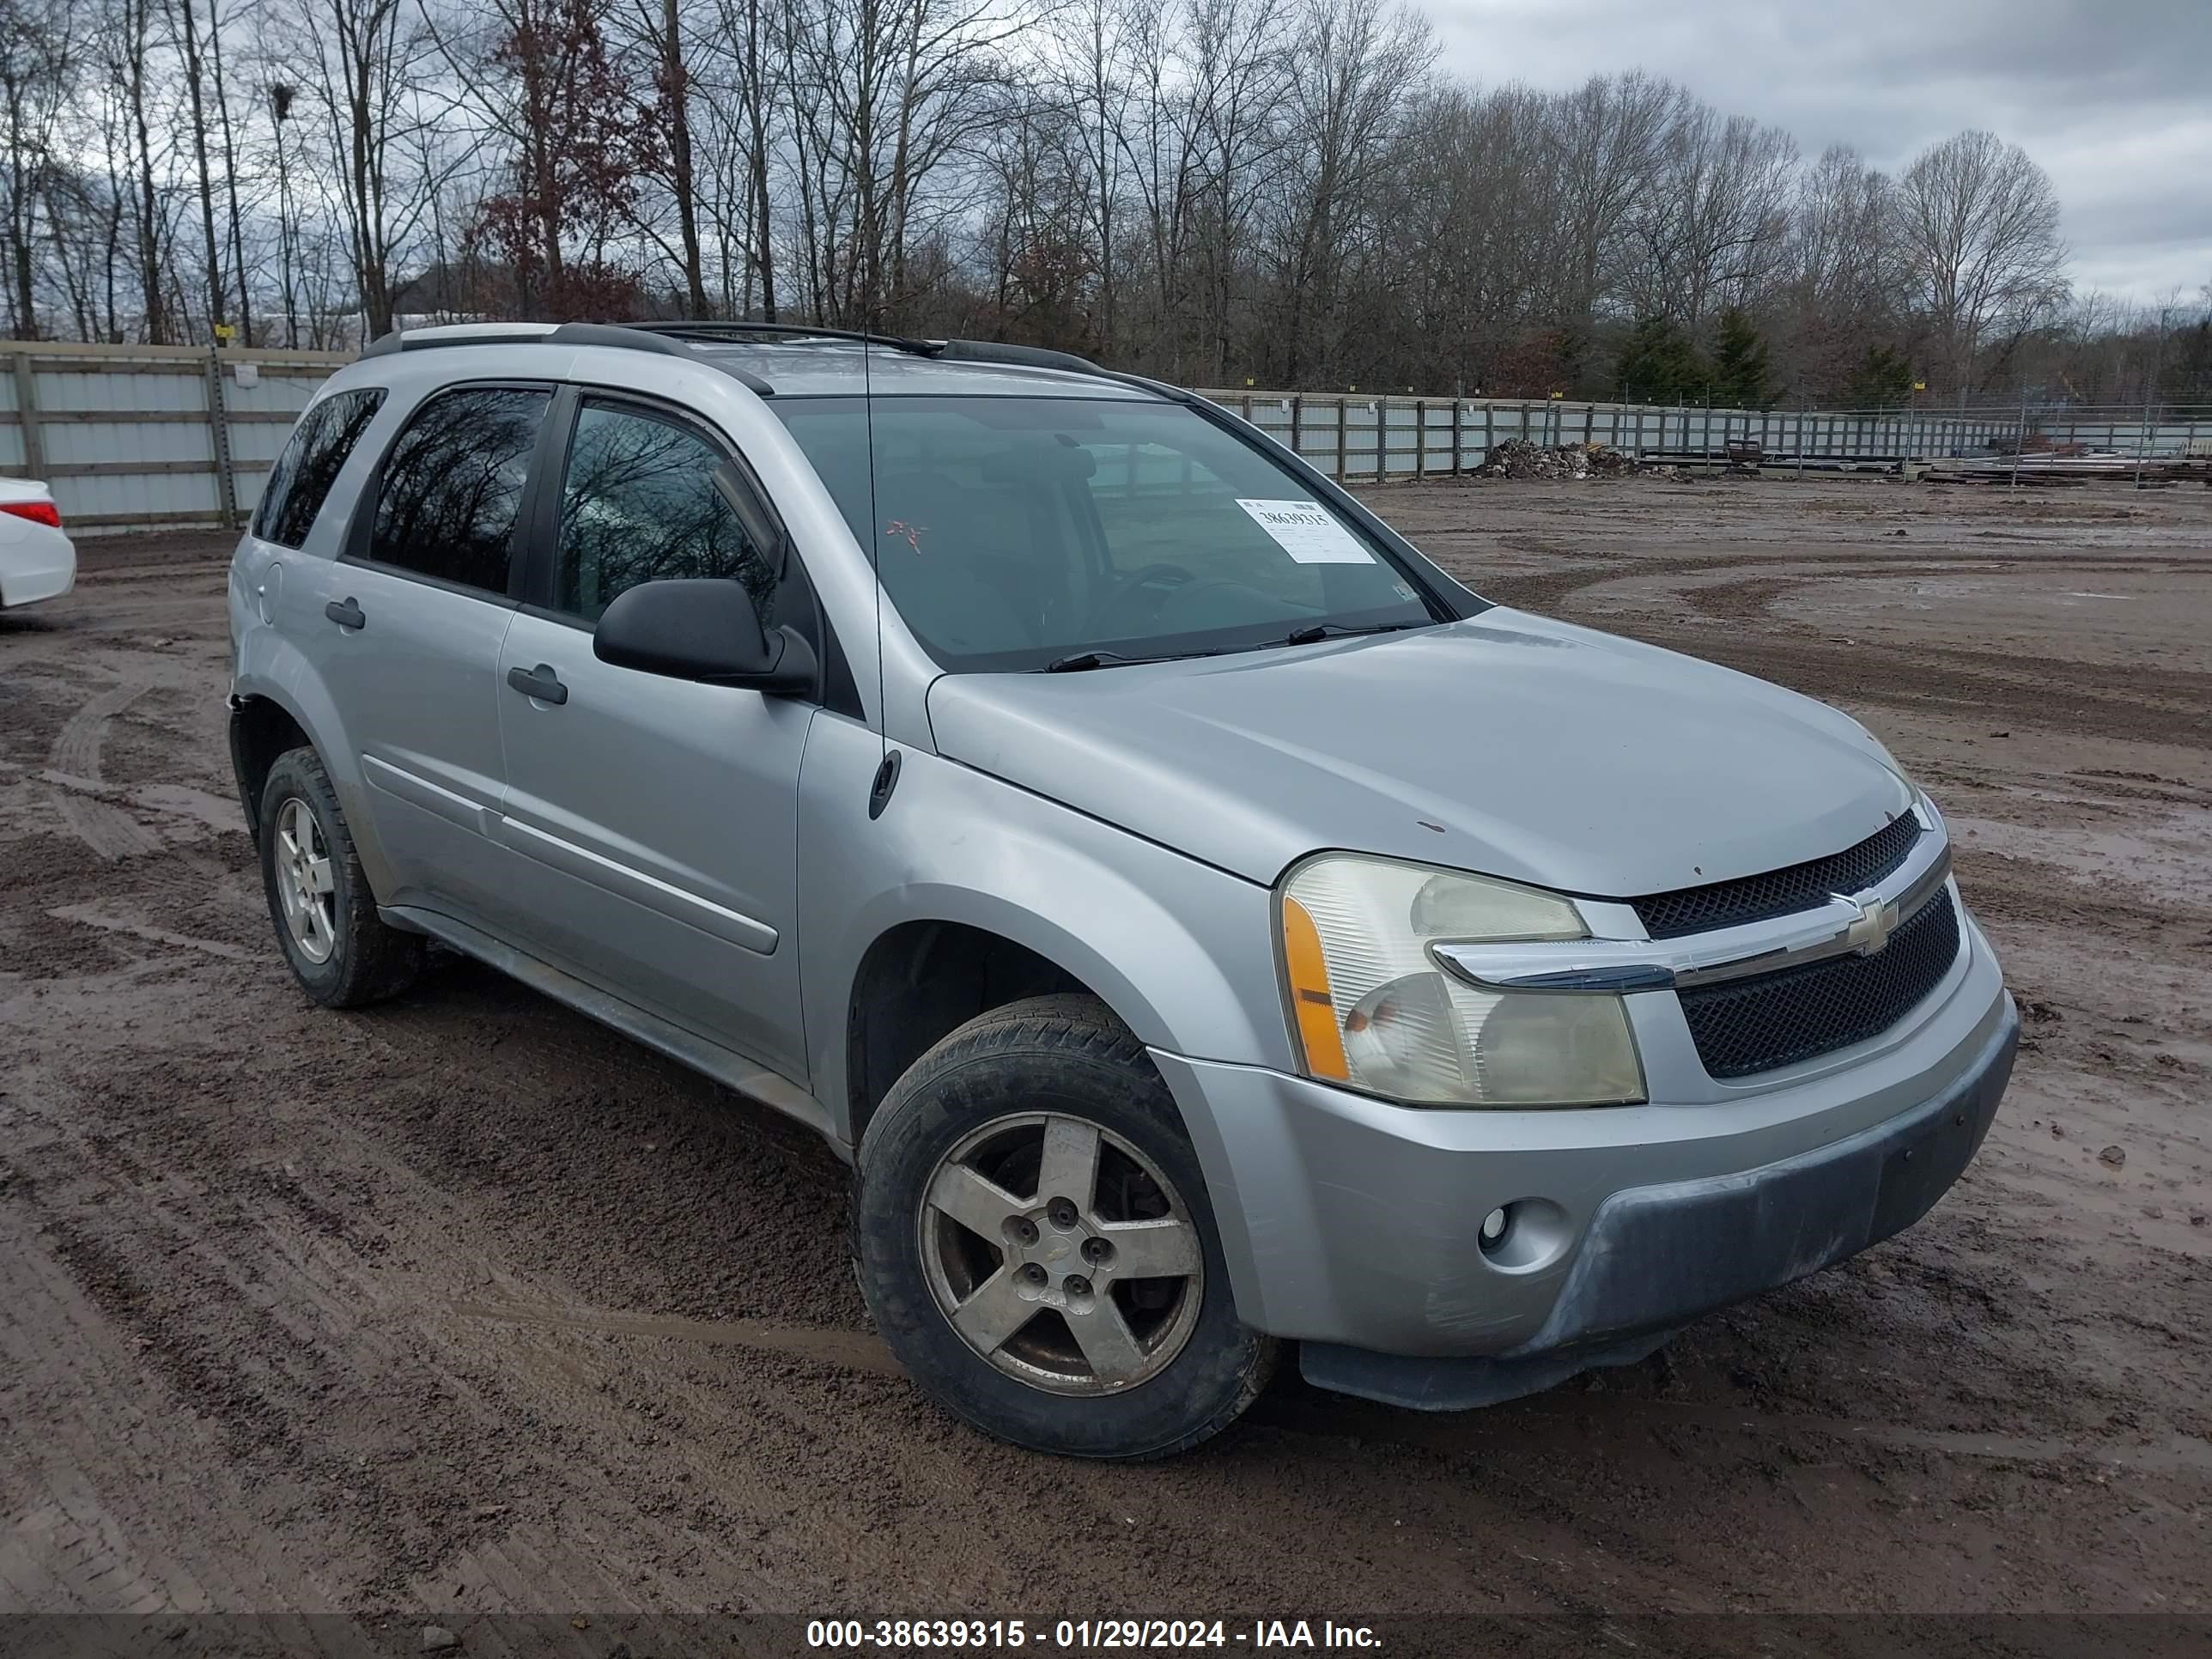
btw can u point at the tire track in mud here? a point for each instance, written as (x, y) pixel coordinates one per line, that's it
(110, 832)
(1897, 678)
(95, 1527)
(1473, 1436)
(2091, 699)
(506, 1314)
(585, 1394)
(1548, 591)
(291, 1347)
(108, 819)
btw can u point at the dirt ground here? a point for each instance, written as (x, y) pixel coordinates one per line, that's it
(465, 1307)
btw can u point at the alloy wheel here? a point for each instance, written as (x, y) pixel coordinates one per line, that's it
(1061, 1254)
(305, 887)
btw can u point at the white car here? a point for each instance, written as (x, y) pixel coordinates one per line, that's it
(37, 561)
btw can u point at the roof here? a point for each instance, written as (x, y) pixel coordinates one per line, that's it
(814, 368)
(832, 364)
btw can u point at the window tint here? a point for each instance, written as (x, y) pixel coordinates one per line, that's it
(304, 473)
(452, 485)
(638, 504)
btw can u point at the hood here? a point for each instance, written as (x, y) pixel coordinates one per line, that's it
(1510, 745)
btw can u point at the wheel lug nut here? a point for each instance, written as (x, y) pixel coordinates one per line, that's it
(1062, 1212)
(1097, 1252)
(1034, 1274)
(1026, 1230)
(1078, 1285)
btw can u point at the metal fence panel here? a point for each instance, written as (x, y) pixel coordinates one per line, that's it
(126, 437)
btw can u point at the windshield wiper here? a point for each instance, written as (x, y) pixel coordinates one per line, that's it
(1311, 634)
(1315, 633)
(1083, 660)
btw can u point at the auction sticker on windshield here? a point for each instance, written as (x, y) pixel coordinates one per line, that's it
(1307, 533)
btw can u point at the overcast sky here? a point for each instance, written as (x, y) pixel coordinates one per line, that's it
(2113, 97)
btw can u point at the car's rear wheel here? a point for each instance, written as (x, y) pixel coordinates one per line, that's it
(342, 952)
(1036, 1246)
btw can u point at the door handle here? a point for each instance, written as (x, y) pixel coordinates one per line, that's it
(541, 683)
(345, 613)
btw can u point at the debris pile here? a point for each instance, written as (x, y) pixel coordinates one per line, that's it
(1517, 457)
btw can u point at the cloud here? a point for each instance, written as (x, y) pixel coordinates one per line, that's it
(2109, 98)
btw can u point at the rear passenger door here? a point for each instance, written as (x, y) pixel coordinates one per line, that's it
(407, 632)
(655, 818)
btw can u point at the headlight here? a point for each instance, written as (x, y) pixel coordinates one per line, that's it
(1372, 1008)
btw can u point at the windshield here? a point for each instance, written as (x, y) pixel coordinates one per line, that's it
(1017, 533)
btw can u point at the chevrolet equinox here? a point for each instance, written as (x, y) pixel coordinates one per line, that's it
(1203, 924)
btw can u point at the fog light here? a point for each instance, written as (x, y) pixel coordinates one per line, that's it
(1493, 1226)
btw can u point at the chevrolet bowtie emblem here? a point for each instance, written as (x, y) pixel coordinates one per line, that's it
(1876, 922)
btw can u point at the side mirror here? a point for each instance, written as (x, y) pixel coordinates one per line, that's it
(702, 629)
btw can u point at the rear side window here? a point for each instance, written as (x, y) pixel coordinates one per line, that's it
(638, 504)
(304, 473)
(452, 486)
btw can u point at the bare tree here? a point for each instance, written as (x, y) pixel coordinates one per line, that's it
(882, 94)
(37, 72)
(1840, 289)
(129, 54)
(1089, 68)
(666, 161)
(229, 172)
(364, 62)
(1977, 228)
(185, 35)
(1606, 140)
(1711, 232)
(1210, 190)
(1354, 69)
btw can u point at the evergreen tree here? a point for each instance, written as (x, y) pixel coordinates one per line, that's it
(1740, 364)
(1658, 365)
(1883, 379)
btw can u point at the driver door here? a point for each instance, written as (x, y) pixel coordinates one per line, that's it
(656, 819)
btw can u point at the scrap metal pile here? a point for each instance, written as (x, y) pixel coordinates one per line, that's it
(1517, 457)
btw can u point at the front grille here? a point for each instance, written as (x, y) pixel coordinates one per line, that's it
(1755, 1024)
(1778, 892)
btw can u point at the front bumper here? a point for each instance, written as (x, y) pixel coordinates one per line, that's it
(1657, 1256)
(1354, 1225)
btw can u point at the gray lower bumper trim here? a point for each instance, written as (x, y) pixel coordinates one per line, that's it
(1656, 1257)
(1461, 1385)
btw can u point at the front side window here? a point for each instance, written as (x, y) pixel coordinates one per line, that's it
(1013, 533)
(452, 486)
(638, 504)
(304, 473)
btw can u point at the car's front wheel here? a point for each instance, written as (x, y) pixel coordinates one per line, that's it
(342, 952)
(1036, 1246)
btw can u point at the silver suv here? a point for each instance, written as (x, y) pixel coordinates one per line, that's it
(1203, 923)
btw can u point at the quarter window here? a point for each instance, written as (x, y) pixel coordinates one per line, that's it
(452, 486)
(304, 473)
(638, 504)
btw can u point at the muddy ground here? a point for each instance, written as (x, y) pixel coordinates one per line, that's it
(464, 1306)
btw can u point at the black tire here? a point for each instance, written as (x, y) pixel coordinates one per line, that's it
(369, 960)
(1067, 1055)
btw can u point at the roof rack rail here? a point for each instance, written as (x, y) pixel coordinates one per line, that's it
(624, 335)
(666, 337)
(1000, 351)
(738, 331)
(431, 339)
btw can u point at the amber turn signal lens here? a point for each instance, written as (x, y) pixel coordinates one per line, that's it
(1310, 1001)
